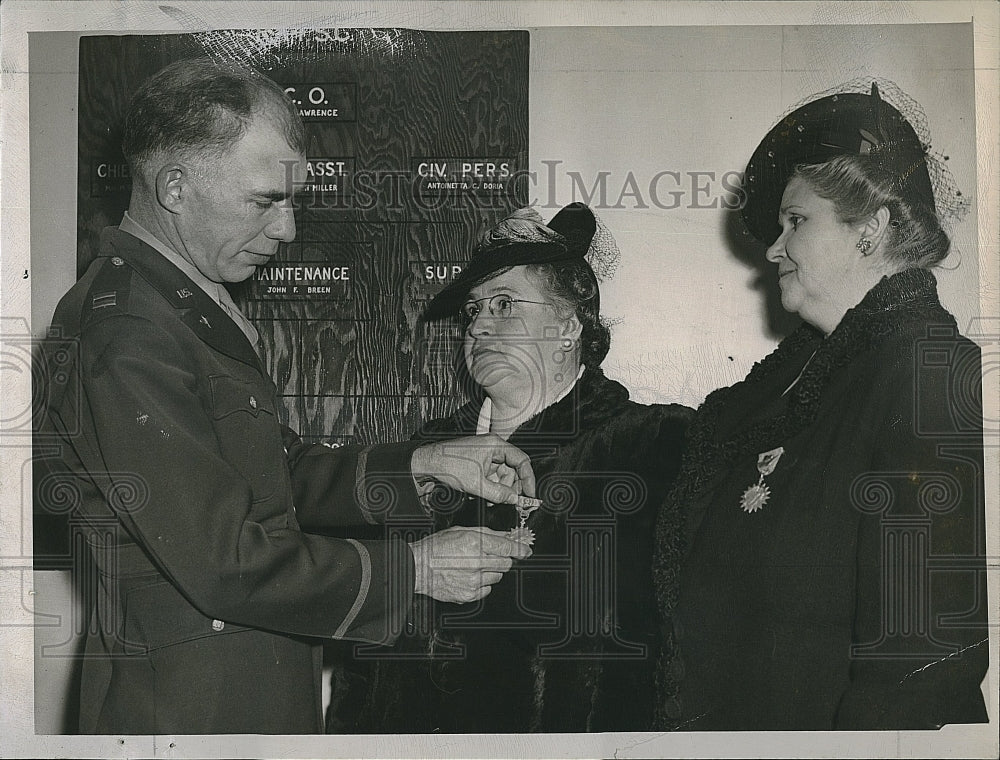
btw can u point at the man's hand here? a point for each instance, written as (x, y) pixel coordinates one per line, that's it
(483, 465)
(462, 564)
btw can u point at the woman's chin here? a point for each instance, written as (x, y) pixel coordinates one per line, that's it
(494, 375)
(789, 301)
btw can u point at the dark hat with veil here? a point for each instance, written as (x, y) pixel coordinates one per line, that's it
(846, 122)
(575, 226)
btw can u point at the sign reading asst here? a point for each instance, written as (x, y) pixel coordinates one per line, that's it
(329, 175)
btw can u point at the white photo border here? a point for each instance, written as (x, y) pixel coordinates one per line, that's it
(20, 19)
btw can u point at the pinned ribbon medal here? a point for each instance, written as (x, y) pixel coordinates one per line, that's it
(756, 496)
(522, 533)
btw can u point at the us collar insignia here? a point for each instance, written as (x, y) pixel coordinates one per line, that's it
(756, 496)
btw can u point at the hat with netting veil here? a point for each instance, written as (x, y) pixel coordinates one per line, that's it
(856, 118)
(574, 233)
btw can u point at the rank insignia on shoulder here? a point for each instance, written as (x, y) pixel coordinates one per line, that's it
(103, 300)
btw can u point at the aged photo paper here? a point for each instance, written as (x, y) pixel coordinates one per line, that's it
(646, 111)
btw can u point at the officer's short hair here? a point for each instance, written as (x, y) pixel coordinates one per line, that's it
(198, 107)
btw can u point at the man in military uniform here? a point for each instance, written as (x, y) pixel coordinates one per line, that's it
(212, 597)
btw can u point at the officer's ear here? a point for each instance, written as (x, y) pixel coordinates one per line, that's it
(172, 187)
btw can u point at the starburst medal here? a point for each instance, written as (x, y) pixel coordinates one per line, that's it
(525, 506)
(756, 496)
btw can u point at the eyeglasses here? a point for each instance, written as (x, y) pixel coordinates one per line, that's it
(500, 306)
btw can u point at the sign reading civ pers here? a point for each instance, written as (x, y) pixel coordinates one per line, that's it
(445, 176)
(324, 101)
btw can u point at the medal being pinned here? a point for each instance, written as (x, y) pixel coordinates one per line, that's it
(756, 496)
(525, 506)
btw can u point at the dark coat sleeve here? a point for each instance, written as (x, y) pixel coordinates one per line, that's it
(920, 635)
(652, 443)
(334, 488)
(622, 471)
(217, 537)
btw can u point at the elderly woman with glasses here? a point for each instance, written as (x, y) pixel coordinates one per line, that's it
(566, 641)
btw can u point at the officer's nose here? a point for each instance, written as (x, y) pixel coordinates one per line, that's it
(282, 226)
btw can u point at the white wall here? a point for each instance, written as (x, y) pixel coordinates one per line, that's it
(699, 99)
(54, 60)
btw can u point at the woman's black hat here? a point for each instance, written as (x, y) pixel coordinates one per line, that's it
(846, 123)
(575, 223)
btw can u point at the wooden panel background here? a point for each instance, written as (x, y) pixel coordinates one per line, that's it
(355, 366)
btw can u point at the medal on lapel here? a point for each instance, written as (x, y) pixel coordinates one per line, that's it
(756, 496)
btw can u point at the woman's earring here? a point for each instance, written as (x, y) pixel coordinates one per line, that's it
(560, 355)
(864, 245)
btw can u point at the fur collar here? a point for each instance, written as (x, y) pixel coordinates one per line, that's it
(593, 400)
(897, 305)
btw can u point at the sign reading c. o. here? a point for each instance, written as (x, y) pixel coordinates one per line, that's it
(324, 101)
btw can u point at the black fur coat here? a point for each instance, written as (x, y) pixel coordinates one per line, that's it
(566, 642)
(853, 596)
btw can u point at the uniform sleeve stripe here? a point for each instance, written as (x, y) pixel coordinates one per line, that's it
(366, 582)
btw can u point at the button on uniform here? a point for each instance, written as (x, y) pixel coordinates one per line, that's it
(253, 403)
(117, 261)
(218, 625)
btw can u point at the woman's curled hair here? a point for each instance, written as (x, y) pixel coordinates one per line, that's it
(858, 187)
(573, 287)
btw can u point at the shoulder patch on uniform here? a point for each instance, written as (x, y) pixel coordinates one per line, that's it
(104, 300)
(108, 293)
